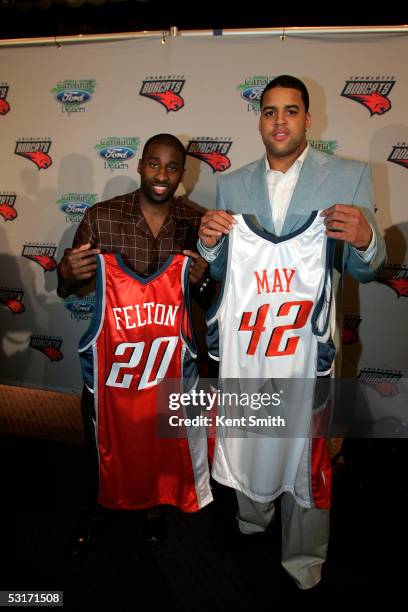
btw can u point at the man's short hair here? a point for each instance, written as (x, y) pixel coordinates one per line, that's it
(290, 82)
(165, 139)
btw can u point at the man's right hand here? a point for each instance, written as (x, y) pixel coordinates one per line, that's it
(79, 264)
(214, 224)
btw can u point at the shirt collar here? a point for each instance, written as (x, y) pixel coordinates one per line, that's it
(131, 206)
(296, 166)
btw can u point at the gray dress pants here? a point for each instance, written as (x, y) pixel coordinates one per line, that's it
(305, 534)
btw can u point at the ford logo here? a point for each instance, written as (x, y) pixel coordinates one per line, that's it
(73, 96)
(116, 153)
(75, 208)
(252, 94)
(81, 307)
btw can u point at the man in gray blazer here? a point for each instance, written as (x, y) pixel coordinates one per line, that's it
(282, 189)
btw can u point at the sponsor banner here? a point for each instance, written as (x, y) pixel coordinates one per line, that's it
(184, 89)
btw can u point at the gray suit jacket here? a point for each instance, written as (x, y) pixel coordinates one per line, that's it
(324, 180)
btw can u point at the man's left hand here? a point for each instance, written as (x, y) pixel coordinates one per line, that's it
(347, 222)
(198, 267)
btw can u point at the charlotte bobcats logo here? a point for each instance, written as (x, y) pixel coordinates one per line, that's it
(4, 107)
(350, 329)
(165, 91)
(49, 346)
(385, 382)
(7, 210)
(395, 277)
(43, 255)
(15, 306)
(371, 93)
(399, 155)
(36, 151)
(211, 151)
(12, 299)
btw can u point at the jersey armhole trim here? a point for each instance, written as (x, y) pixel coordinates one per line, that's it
(328, 279)
(212, 312)
(185, 286)
(98, 316)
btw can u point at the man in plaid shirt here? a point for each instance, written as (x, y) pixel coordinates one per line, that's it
(145, 227)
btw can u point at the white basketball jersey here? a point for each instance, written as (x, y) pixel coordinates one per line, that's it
(272, 321)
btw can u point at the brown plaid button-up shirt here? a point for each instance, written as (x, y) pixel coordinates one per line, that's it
(118, 226)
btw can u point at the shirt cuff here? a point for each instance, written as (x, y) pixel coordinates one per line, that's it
(210, 253)
(370, 251)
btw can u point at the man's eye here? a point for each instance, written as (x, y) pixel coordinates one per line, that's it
(172, 169)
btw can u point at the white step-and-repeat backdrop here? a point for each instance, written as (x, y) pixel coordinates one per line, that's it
(73, 121)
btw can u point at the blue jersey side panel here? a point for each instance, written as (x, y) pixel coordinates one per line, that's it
(86, 342)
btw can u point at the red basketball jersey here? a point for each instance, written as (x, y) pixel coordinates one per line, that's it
(141, 334)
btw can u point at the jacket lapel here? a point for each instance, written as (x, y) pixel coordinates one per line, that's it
(255, 184)
(314, 171)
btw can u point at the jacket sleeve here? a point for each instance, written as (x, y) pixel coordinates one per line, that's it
(217, 255)
(217, 266)
(365, 271)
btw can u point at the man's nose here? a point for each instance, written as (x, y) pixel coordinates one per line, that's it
(280, 118)
(161, 174)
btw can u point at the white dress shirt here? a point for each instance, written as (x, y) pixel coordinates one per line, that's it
(281, 186)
